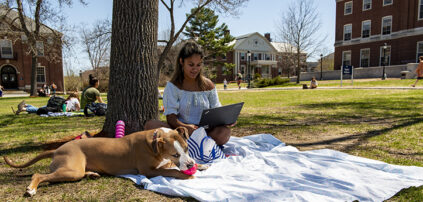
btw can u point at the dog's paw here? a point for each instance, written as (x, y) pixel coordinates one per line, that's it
(201, 167)
(92, 175)
(30, 192)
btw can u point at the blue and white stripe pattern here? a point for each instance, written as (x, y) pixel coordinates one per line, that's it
(202, 148)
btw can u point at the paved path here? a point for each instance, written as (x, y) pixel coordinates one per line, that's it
(325, 88)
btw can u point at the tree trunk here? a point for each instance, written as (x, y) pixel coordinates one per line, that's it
(132, 95)
(298, 66)
(33, 75)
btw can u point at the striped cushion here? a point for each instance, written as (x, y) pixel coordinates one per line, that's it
(202, 148)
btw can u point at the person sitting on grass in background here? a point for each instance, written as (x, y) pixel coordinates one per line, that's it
(41, 93)
(419, 71)
(91, 94)
(187, 94)
(313, 83)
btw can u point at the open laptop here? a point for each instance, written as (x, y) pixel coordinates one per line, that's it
(224, 115)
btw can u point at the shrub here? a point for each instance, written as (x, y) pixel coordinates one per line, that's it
(263, 82)
(257, 76)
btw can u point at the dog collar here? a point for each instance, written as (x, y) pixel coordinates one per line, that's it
(155, 135)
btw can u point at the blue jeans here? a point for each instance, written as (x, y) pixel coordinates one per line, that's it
(31, 109)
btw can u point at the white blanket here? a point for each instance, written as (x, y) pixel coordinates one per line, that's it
(263, 169)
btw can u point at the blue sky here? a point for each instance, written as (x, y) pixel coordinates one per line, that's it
(256, 16)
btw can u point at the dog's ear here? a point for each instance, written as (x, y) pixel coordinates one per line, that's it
(183, 132)
(157, 143)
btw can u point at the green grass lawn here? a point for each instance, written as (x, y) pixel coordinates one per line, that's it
(384, 125)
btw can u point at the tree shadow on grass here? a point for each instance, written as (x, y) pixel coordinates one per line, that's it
(23, 148)
(361, 137)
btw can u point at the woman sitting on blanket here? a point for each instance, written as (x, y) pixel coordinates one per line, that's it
(72, 104)
(188, 93)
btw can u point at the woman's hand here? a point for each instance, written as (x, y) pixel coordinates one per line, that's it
(232, 125)
(191, 128)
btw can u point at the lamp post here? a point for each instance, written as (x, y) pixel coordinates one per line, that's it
(248, 68)
(321, 67)
(384, 60)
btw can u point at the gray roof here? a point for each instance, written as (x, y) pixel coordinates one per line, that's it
(13, 15)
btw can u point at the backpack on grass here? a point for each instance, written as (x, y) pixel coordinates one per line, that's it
(97, 109)
(56, 102)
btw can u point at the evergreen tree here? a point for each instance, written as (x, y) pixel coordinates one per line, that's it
(214, 39)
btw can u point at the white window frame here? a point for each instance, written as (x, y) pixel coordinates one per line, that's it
(366, 9)
(345, 8)
(40, 48)
(392, 2)
(343, 56)
(418, 13)
(242, 56)
(350, 32)
(417, 50)
(361, 51)
(9, 45)
(44, 74)
(370, 29)
(381, 55)
(392, 22)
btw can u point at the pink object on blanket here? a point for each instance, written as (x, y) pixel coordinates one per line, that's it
(190, 171)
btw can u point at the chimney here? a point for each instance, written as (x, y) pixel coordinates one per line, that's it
(267, 35)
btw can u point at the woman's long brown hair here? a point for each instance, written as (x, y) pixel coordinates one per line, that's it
(189, 49)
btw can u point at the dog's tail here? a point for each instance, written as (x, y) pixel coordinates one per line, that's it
(46, 154)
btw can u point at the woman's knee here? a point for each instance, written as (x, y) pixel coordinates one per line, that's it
(221, 135)
(153, 124)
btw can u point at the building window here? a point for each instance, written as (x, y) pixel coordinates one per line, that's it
(348, 7)
(365, 28)
(367, 5)
(419, 50)
(387, 2)
(41, 75)
(242, 69)
(346, 58)
(6, 48)
(40, 48)
(365, 57)
(386, 25)
(420, 10)
(385, 56)
(242, 56)
(267, 56)
(347, 32)
(279, 71)
(255, 56)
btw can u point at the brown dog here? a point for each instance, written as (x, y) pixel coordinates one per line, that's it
(148, 153)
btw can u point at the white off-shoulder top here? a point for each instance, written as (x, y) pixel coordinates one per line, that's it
(188, 105)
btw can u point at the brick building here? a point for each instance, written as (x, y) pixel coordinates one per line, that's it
(378, 32)
(15, 60)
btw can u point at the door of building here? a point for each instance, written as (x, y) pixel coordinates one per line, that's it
(9, 77)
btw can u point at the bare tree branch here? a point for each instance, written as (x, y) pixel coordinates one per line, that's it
(300, 27)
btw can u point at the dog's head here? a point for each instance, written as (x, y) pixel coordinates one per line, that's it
(172, 145)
